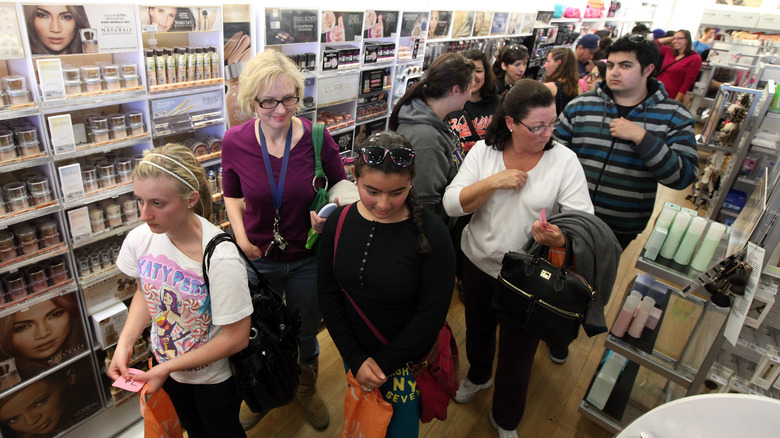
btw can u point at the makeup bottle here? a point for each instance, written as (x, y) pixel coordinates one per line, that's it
(215, 73)
(689, 241)
(159, 62)
(676, 233)
(638, 324)
(235, 114)
(190, 64)
(605, 380)
(151, 74)
(206, 63)
(198, 63)
(170, 66)
(181, 64)
(701, 260)
(89, 42)
(625, 316)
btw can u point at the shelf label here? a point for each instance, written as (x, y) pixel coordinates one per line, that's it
(338, 88)
(193, 103)
(71, 184)
(12, 38)
(62, 138)
(718, 379)
(50, 78)
(80, 227)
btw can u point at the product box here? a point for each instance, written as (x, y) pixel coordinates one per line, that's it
(108, 324)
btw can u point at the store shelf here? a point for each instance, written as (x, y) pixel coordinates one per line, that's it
(654, 361)
(26, 215)
(103, 98)
(340, 72)
(210, 159)
(595, 415)
(24, 162)
(381, 115)
(666, 270)
(565, 20)
(342, 130)
(8, 112)
(106, 193)
(93, 279)
(38, 297)
(100, 235)
(713, 148)
(31, 259)
(378, 64)
(746, 180)
(763, 150)
(184, 88)
(103, 147)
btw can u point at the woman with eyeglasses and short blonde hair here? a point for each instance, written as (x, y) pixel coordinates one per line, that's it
(507, 180)
(396, 262)
(267, 176)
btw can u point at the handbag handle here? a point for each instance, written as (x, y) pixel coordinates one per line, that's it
(317, 134)
(225, 237)
(342, 217)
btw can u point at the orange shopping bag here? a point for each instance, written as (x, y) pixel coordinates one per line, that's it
(365, 415)
(160, 418)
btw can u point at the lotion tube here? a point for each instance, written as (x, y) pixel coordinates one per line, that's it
(676, 233)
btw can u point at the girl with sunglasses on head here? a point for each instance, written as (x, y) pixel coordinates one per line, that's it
(506, 181)
(194, 327)
(268, 183)
(420, 117)
(396, 262)
(510, 65)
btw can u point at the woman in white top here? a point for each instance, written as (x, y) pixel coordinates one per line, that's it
(506, 180)
(194, 328)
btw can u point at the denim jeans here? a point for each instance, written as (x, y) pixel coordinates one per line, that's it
(298, 282)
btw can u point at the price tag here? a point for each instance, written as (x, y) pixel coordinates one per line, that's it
(61, 129)
(80, 227)
(743, 343)
(71, 184)
(718, 379)
(51, 80)
(757, 349)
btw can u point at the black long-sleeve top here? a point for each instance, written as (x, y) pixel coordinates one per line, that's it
(405, 295)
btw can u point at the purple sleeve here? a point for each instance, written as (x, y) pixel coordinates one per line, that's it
(232, 143)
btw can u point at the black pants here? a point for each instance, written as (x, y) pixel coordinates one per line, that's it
(516, 348)
(207, 411)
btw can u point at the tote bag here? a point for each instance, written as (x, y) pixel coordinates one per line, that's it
(365, 415)
(160, 418)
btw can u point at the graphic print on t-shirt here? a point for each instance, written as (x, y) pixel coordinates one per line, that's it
(179, 304)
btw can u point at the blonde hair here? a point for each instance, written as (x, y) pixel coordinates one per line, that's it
(185, 167)
(259, 75)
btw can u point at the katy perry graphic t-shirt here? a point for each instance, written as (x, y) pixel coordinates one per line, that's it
(185, 314)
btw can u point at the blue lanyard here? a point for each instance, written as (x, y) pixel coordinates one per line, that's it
(276, 191)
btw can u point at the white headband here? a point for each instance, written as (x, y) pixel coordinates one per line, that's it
(173, 174)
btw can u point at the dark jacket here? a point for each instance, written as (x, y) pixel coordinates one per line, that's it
(623, 177)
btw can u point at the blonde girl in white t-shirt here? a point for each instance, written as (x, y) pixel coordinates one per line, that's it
(194, 328)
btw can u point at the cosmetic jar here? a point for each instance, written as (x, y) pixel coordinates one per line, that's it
(113, 83)
(27, 149)
(214, 144)
(98, 122)
(83, 264)
(94, 261)
(38, 186)
(18, 97)
(118, 132)
(93, 85)
(58, 271)
(73, 87)
(7, 246)
(16, 196)
(71, 74)
(89, 178)
(47, 228)
(15, 286)
(96, 219)
(26, 134)
(129, 212)
(105, 257)
(116, 120)
(131, 81)
(90, 72)
(135, 129)
(110, 71)
(27, 238)
(99, 135)
(113, 215)
(36, 278)
(14, 83)
(124, 169)
(129, 70)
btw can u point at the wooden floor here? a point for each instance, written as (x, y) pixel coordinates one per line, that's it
(553, 398)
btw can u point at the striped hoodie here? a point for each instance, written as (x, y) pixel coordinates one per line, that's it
(622, 177)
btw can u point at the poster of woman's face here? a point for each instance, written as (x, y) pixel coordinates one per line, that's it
(439, 24)
(48, 406)
(70, 29)
(340, 26)
(42, 336)
(179, 19)
(380, 24)
(462, 22)
(482, 23)
(414, 24)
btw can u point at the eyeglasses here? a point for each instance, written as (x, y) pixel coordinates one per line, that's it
(637, 38)
(536, 130)
(593, 76)
(273, 103)
(375, 155)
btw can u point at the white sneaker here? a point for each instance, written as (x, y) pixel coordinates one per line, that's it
(468, 390)
(502, 433)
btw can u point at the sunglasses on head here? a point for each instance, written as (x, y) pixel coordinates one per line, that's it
(637, 38)
(375, 155)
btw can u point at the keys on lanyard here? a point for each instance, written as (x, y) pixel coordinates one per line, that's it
(278, 242)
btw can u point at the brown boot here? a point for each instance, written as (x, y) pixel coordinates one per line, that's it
(310, 401)
(248, 418)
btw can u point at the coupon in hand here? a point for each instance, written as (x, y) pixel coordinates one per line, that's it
(543, 220)
(130, 384)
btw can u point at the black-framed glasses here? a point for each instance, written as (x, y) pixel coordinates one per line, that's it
(375, 155)
(536, 130)
(273, 103)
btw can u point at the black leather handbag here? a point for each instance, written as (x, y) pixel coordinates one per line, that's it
(266, 372)
(548, 301)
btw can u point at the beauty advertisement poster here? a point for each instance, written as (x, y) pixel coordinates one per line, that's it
(380, 24)
(500, 22)
(51, 404)
(341, 26)
(414, 24)
(237, 33)
(288, 26)
(482, 22)
(68, 29)
(179, 19)
(439, 24)
(462, 22)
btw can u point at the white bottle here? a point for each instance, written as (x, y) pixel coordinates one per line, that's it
(181, 64)
(701, 260)
(198, 63)
(676, 233)
(215, 73)
(692, 235)
(605, 380)
(638, 324)
(625, 316)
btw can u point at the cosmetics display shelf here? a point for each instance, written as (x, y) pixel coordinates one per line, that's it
(29, 214)
(210, 159)
(87, 101)
(108, 232)
(109, 192)
(87, 149)
(182, 88)
(38, 297)
(8, 112)
(93, 279)
(24, 162)
(61, 365)
(38, 256)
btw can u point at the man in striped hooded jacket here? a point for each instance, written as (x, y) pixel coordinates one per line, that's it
(630, 136)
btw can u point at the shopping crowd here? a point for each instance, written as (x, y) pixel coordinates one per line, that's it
(474, 156)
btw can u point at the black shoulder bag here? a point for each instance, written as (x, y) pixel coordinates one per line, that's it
(548, 301)
(266, 372)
